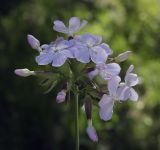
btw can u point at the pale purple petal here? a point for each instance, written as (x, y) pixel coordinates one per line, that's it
(44, 58)
(81, 54)
(92, 133)
(33, 42)
(74, 24)
(130, 69)
(60, 27)
(92, 74)
(98, 54)
(105, 100)
(106, 48)
(106, 111)
(83, 23)
(113, 84)
(133, 95)
(131, 79)
(58, 59)
(24, 72)
(123, 92)
(91, 40)
(67, 53)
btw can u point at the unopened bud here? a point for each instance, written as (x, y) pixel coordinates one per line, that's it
(61, 96)
(91, 132)
(24, 72)
(123, 56)
(33, 42)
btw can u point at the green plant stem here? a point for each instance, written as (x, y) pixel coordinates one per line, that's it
(76, 120)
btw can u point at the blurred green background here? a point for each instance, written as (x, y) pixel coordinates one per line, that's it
(31, 120)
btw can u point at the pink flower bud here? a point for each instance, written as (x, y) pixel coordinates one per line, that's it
(33, 42)
(123, 56)
(24, 72)
(61, 96)
(91, 132)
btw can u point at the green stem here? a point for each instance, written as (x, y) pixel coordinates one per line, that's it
(76, 119)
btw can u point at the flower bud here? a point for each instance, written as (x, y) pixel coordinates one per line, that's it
(24, 72)
(123, 56)
(61, 96)
(91, 132)
(33, 42)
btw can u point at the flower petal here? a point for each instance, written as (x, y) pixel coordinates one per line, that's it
(81, 53)
(106, 111)
(60, 27)
(44, 58)
(123, 92)
(98, 54)
(105, 100)
(58, 59)
(33, 42)
(74, 24)
(106, 48)
(130, 69)
(133, 95)
(131, 79)
(113, 84)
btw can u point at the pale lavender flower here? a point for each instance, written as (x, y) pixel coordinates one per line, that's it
(123, 56)
(33, 42)
(61, 96)
(56, 53)
(24, 72)
(107, 101)
(126, 91)
(90, 47)
(91, 132)
(106, 71)
(75, 25)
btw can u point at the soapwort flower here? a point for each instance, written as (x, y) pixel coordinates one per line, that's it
(90, 47)
(55, 53)
(106, 71)
(75, 25)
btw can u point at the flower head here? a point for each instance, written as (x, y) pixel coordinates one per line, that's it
(75, 25)
(24, 72)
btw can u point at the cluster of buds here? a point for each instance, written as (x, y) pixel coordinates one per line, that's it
(91, 67)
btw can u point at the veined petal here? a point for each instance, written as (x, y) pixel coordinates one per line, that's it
(60, 27)
(105, 100)
(106, 111)
(106, 48)
(44, 58)
(67, 53)
(74, 24)
(130, 69)
(123, 92)
(98, 54)
(131, 79)
(81, 54)
(113, 84)
(133, 95)
(83, 23)
(58, 59)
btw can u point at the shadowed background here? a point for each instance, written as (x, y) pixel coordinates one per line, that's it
(31, 120)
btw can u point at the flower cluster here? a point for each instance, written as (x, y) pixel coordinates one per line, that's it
(90, 66)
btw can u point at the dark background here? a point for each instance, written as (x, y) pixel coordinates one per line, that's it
(31, 120)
